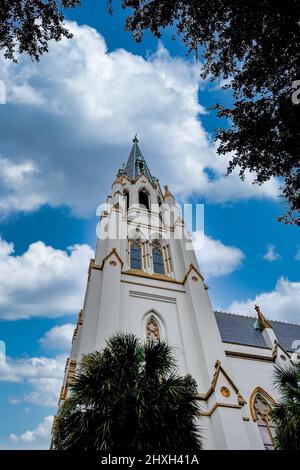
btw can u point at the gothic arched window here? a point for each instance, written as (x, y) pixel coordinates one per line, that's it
(144, 199)
(152, 330)
(126, 196)
(158, 259)
(135, 254)
(261, 405)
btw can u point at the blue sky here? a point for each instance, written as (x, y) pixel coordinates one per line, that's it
(66, 128)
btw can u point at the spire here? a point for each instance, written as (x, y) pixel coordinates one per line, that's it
(136, 164)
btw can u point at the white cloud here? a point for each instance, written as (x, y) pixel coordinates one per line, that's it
(43, 281)
(280, 304)
(20, 189)
(59, 337)
(297, 255)
(75, 112)
(271, 253)
(215, 258)
(38, 438)
(42, 375)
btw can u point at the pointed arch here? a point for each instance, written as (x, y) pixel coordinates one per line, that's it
(126, 199)
(158, 321)
(161, 256)
(158, 257)
(152, 330)
(261, 404)
(135, 249)
(144, 198)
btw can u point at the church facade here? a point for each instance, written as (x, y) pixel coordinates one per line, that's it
(145, 281)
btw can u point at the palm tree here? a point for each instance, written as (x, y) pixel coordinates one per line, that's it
(286, 414)
(129, 397)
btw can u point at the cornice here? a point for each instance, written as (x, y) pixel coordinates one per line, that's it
(221, 405)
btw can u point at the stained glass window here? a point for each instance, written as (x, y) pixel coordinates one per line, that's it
(158, 261)
(152, 330)
(267, 428)
(135, 255)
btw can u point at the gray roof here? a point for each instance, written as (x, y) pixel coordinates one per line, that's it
(136, 164)
(240, 329)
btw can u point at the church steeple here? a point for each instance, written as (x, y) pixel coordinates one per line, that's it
(136, 163)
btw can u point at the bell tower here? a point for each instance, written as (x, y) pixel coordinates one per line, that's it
(145, 281)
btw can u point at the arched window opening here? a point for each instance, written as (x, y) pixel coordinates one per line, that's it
(158, 260)
(141, 167)
(159, 201)
(152, 330)
(135, 254)
(126, 196)
(261, 408)
(144, 199)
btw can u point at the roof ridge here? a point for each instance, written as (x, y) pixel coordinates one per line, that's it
(254, 318)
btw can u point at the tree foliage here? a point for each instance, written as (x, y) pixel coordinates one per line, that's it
(286, 413)
(255, 46)
(129, 397)
(28, 25)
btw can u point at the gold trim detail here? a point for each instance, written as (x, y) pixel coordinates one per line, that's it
(264, 394)
(218, 369)
(263, 322)
(192, 268)
(167, 193)
(275, 350)
(225, 392)
(249, 356)
(158, 277)
(93, 265)
(221, 405)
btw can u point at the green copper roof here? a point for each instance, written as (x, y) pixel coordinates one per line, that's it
(136, 164)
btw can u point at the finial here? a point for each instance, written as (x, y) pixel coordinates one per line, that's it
(135, 139)
(263, 322)
(167, 192)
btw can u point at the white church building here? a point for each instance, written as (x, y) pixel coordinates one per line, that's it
(145, 281)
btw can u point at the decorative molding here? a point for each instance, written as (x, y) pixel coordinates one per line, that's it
(221, 405)
(218, 370)
(120, 179)
(93, 265)
(264, 394)
(225, 392)
(192, 268)
(144, 295)
(276, 348)
(249, 356)
(152, 286)
(112, 252)
(157, 277)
